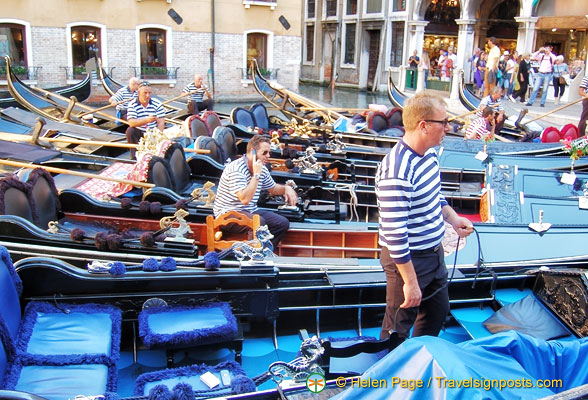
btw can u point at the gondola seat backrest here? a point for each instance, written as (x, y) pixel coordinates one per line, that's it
(570, 131)
(179, 168)
(394, 116)
(212, 119)
(226, 139)
(244, 117)
(159, 173)
(16, 199)
(551, 135)
(377, 121)
(198, 127)
(260, 114)
(45, 195)
(208, 143)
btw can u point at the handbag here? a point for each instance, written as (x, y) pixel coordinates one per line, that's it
(562, 80)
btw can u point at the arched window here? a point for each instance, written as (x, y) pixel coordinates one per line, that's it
(85, 41)
(13, 43)
(259, 45)
(154, 52)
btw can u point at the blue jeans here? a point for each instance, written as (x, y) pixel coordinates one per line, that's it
(542, 79)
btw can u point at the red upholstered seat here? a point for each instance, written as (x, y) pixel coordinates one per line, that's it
(570, 131)
(551, 135)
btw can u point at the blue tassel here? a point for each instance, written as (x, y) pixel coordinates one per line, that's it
(160, 392)
(242, 384)
(168, 264)
(150, 265)
(183, 391)
(211, 261)
(118, 269)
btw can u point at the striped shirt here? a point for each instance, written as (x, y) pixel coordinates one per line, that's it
(477, 129)
(236, 176)
(408, 189)
(137, 111)
(584, 84)
(124, 93)
(488, 101)
(197, 94)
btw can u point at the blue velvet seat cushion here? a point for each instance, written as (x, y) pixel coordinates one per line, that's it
(10, 289)
(90, 332)
(190, 375)
(191, 326)
(60, 382)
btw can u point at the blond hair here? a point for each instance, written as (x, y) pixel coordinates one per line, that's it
(419, 107)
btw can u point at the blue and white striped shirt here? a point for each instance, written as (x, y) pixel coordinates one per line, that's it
(196, 94)
(236, 176)
(137, 111)
(408, 188)
(124, 93)
(488, 101)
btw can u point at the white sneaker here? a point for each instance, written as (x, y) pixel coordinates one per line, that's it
(512, 99)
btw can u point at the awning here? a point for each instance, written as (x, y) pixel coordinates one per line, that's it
(570, 22)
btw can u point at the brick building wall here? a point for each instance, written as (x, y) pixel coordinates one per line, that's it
(49, 52)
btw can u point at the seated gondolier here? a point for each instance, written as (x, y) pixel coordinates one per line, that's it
(197, 90)
(494, 101)
(483, 126)
(241, 183)
(412, 214)
(123, 97)
(143, 112)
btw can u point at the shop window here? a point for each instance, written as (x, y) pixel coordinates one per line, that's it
(12, 43)
(309, 37)
(351, 7)
(397, 47)
(349, 54)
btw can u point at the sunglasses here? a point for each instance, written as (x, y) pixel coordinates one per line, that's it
(144, 83)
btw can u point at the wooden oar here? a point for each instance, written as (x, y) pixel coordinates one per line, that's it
(103, 107)
(15, 137)
(176, 98)
(81, 105)
(75, 173)
(555, 110)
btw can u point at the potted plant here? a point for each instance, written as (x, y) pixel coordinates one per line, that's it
(79, 72)
(154, 72)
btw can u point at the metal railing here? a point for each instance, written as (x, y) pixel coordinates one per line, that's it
(73, 73)
(26, 73)
(271, 73)
(156, 72)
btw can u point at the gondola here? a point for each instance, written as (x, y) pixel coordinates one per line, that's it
(395, 96)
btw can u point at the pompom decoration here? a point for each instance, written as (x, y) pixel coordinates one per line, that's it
(182, 203)
(160, 238)
(118, 269)
(155, 208)
(114, 241)
(150, 265)
(126, 203)
(77, 235)
(147, 239)
(322, 148)
(289, 164)
(167, 264)
(100, 241)
(160, 392)
(144, 207)
(211, 261)
(111, 396)
(292, 153)
(183, 391)
(242, 384)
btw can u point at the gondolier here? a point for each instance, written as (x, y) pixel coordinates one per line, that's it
(143, 112)
(412, 213)
(583, 92)
(123, 97)
(494, 101)
(197, 90)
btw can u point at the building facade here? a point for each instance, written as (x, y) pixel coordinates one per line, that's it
(355, 42)
(163, 41)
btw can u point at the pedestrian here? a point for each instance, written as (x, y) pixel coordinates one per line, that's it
(523, 76)
(491, 78)
(411, 229)
(583, 92)
(560, 70)
(480, 72)
(546, 60)
(474, 64)
(425, 65)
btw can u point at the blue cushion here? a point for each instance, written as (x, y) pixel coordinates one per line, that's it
(211, 323)
(9, 297)
(3, 363)
(260, 114)
(190, 375)
(63, 382)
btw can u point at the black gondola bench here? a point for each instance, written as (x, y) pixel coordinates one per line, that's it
(55, 351)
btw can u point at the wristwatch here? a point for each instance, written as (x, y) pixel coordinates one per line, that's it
(257, 176)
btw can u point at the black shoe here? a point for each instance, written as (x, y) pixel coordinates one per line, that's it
(528, 104)
(541, 105)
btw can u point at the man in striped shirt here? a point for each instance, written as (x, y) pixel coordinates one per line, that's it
(494, 101)
(583, 92)
(242, 181)
(143, 112)
(197, 90)
(412, 213)
(481, 126)
(123, 96)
